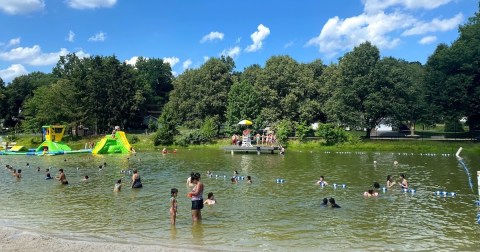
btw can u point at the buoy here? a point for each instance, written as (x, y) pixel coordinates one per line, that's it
(334, 186)
(405, 190)
(344, 186)
(384, 189)
(412, 190)
(279, 181)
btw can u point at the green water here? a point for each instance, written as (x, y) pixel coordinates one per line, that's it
(261, 216)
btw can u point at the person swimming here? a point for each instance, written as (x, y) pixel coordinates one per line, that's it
(321, 181)
(324, 202)
(370, 193)
(48, 176)
(136, 182)
(390, 181)
(210, 200)
(118, 186)
(333, 204)
(404, 182)
(249, 179)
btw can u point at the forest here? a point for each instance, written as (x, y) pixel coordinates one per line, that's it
(359, 91)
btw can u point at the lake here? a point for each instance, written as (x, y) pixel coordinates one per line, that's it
(264, 215)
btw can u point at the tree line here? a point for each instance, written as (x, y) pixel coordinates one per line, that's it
(360, 91)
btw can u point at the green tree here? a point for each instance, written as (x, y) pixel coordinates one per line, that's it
(202, 93)
(51, 104)
(243, 103)
(167, 129)
(361, 98)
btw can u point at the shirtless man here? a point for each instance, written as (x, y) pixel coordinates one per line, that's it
(62, 178)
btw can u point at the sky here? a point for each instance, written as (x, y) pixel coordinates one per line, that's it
(186, 33)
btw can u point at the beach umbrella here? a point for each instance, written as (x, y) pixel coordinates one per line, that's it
(245, 122)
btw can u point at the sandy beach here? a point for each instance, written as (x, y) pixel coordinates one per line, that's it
(18, 240)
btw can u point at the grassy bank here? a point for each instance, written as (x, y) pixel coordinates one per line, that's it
(142, 142)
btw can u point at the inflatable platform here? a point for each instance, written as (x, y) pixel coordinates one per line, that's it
(117, 143)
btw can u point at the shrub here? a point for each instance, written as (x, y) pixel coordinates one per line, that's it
(332, 134)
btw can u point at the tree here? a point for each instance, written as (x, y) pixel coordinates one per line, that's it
(52, 104)
(359, 99)
(202, 93)
(242, 103)
(453, 75)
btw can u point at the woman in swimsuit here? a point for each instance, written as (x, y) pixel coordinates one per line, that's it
(136, 182)
(197, 197)
(404, 183)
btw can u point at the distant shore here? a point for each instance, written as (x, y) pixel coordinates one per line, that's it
(17, 240)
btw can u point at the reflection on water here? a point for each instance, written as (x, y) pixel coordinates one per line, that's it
(263, 215)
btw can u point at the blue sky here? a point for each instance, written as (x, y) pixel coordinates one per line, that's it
(34, 33)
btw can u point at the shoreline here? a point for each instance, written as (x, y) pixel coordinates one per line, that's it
(13, 239)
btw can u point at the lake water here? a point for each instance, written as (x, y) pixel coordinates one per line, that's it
(264, 216)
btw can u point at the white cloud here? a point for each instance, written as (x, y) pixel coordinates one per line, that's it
(90, 4)
(132, 61)
(340, 35)
(212, 36)
(99, 37)
(427, 40)
(81, 54)
(372, 6)
(12, 72)
(186, 64)
(14, 7)
(71, 36)
(232, 52)
(34, 55)
(13, 42)
(205, 58)
(289, 44)
(238, 40)
(257, 38)
(384, 29)
(435, 25)
(171, 60)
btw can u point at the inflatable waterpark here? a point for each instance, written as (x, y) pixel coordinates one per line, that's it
(52, 144)
(117, 142)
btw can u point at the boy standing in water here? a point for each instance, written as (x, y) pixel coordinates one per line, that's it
(173, 206)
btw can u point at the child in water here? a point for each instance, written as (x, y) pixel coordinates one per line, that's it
(370, 193)
(249, 179)
(321, 181)
(404, 182)
(333, 204)
(173, 205)
(118, 186)
(211, 200)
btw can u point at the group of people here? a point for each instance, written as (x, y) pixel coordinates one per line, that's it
(268, 139)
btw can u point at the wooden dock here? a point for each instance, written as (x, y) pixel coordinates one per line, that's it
(258, 149)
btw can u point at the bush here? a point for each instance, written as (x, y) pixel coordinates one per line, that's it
(301, 131)
(284, 128)
(132, 139)
(453, 126)
(332, 134)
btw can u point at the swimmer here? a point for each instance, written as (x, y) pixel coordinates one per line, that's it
(136, 182)
(234, 181)
(61, 177)
(211, 199)
(164, 151)
(38, 169)
(14, 172)
(376, 186)
(209, 174)
(404, 183)
(47, 177)
(395, 162)
(189, 180)
(324, 202)
(333, 204)
(85, 178)
(282, 151)
(173, 205)
(19, 174)
(390, 181)
(321, 181)
(118, 186)
(370, 193)
(249, 180)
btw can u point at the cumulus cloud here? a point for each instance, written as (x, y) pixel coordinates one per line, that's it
(435, 25)
(212, 36)
(14, 7)
(371, 6)
(99, 37)
(70, 37)
(132, 61)
(379, 26)
(427, 40)
(12, 72)
(186, 64)
(232, 52)
(34, 55)
(13, 42)
(205, 58)
(171, 60)
(289, 44)
(258, 37)
(90, 4)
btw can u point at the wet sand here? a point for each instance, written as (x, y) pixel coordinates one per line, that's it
(18, 240)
